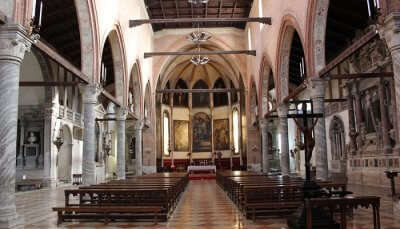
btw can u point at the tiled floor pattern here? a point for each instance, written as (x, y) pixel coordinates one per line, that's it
(203, 205)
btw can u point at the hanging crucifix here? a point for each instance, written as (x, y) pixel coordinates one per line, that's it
(304, 114)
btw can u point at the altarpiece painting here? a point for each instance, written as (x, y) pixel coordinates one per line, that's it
(201, 133)
(221, 134)
(181, 129)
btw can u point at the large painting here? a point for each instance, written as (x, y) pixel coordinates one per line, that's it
(221, 134)
(181, 135)
(201, 133)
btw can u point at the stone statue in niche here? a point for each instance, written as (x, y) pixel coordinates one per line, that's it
(31, 155)
(131, 103)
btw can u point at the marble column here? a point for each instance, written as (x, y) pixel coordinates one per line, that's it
(392, 37)
(352, 122)
(13, 44)
(139, 140)
(121, 117)
(90, 93)
(284, 132)
(320, 149)
(387, 148)
(265, 144)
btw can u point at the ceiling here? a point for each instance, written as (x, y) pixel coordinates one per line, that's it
(163, 9)
(60, 29)
(345, 18)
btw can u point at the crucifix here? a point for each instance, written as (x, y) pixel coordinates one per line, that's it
(304, 114)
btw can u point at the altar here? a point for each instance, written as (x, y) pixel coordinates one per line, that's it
(202, 168)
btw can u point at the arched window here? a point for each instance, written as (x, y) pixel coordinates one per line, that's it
(235, 118)
(166, 133)
(220, 98)
(337, 137)
(181, 99)
(200, 99)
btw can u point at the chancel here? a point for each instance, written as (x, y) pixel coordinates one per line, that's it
(200, 114)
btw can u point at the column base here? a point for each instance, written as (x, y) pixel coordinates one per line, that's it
(149, 169)
(15, 221)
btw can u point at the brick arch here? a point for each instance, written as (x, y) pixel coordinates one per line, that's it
(317, 17)
(264, 79)
(89, 36)
(115, 37)
(288, 27)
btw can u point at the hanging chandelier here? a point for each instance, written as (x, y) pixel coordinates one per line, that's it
(198, 59)
(198, 1)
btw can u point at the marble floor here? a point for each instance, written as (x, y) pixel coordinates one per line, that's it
(203, 205)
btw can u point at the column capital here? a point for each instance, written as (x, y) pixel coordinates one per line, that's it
(392, 31)
(317, 86)
(283, 110)
(14, 42)
(263, 124)
(122, 113)
(90, 92)
(139, 125)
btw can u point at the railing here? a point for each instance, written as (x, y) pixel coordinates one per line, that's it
(70, 115)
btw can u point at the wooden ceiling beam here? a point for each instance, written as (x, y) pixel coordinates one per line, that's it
(203, 53)
(47, 84)
(61, 60)
(361, 75)
(347, 52)
(134, 23)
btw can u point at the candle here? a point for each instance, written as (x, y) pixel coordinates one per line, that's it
(378, 6)
(40, 14)
(369, 9)
(33, 8)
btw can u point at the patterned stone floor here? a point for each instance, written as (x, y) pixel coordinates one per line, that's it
(203, 205)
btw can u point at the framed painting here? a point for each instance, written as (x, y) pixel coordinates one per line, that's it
(201, 132)
(221, 134)
(181, 130)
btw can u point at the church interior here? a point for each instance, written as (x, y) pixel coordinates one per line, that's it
(275, 114)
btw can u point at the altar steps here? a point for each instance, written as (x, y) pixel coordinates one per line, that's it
(202, 176)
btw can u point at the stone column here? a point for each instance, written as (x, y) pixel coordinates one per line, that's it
(121, 117)
(265, 144)
(320, 148)
(90, 93)
(352, 122)
(392, 37)
(387, 148)
(13, 44)
(139, 154)
(284, 132)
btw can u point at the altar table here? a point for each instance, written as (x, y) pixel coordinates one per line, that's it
(197, 168)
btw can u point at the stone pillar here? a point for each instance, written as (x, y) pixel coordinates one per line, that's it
(392, 37)
(387, 148)
(13, 44)
(139, 154)
(320, 148)
(121, 117)
(265, 144)
(90, 93)
(284, 132)
(352, 122)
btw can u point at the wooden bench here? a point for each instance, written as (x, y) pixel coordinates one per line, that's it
(107, 213)
(343, 204)
(271, 201)
(147, 197)
(31, 184)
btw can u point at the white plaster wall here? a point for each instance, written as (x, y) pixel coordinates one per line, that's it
(7, 8)
(30, 71)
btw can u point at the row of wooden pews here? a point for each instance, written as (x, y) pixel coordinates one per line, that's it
(258, 195)
(148, 197)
